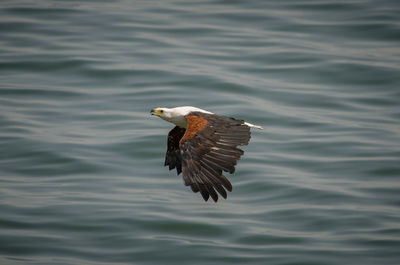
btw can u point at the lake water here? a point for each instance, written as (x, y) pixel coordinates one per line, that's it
(82, 179)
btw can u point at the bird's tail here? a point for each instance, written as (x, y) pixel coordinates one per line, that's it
(254, 126)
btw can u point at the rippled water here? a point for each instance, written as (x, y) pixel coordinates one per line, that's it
(81, 161)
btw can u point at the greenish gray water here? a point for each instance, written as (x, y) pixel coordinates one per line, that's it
(81, 163)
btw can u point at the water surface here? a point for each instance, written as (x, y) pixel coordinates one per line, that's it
(81, 161)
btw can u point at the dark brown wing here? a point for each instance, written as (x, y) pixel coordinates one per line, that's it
(208, 147)
(173, 156)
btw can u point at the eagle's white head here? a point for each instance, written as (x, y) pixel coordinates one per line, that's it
(176, 115)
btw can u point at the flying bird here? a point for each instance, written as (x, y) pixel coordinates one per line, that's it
(202, 145)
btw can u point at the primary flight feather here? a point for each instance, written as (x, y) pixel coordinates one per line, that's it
(202, 145)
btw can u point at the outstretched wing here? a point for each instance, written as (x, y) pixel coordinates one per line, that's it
(208, 147)
(173, 156)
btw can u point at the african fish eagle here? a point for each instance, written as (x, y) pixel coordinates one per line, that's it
(202, 145)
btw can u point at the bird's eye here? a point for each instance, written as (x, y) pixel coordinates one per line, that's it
(161, 111)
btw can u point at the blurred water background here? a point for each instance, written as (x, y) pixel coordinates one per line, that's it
(81, 160)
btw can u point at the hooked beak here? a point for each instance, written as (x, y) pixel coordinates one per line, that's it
(155, 112)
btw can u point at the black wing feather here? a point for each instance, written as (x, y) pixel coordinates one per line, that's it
(210, 152)
(173, 157)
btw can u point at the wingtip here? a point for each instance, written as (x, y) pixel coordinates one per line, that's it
(205, 196)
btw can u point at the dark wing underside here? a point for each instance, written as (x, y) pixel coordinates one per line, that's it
(209, 149)
(173, 156)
